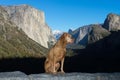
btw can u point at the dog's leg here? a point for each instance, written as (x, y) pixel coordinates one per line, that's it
(57, 66)
(62, 63)
(48, 66)
(54, 71)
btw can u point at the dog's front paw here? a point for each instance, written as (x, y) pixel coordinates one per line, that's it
(54, 72)
(62, 72)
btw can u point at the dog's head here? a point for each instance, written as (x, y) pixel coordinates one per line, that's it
(67, 38)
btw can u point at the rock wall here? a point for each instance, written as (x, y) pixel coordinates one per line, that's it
(32, 22)
(68, 76)
(97, 33)
(80, 34)
(14, 43)
(94, 32)
(112, 22)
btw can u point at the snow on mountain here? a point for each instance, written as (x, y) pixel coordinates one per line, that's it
(57, 34)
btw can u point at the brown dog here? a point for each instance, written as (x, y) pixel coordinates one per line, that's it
(57, 54)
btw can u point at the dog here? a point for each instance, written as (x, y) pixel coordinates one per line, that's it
(57, 54)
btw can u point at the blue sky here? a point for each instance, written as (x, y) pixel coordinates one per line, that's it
(64, 14)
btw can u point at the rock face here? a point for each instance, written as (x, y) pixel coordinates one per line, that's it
(112, 22)
(70, 31)
(81, 34)
(17, 75)
(92, 33)
(97, 33)
(32, 22)
(14, 42)
(88, 34)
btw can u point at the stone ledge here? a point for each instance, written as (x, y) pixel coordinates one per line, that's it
(17, 75)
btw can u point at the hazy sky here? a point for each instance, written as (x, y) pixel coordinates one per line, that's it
(65, 14)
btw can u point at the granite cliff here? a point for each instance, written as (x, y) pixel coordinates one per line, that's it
(94, 32)
(112, 22)
(89, 34)
(81, 34)
(32, 22)
(97, 33)
(14, 42)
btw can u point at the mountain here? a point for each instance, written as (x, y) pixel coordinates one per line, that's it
(81, 34)
(94, 32)
(89, 33)
(57, 34)
(102, 53)
(100, 56)
(70, 31)
(97, 33)
(112, 22)
(14, 42)
(32, 22)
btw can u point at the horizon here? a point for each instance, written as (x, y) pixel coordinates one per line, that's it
(63, 15)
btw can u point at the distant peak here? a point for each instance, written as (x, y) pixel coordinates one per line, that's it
(112, 14)
(70, 30)
(57, 31)
(57, 34)
(112, 22)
